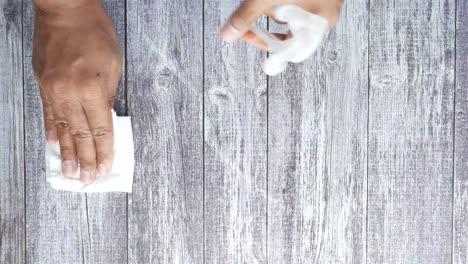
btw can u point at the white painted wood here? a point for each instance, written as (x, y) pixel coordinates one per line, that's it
(460, 207)
(411, 131)
(12, 217)
(317, 150)
(165, 95)
(231, 172)
(235, 144)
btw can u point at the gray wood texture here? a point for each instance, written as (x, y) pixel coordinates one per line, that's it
(12, 217)
(358, 155)
(317, 151)
(460, 206)
(410, 152)
(235, 145)
(165, 100)
(65, 227)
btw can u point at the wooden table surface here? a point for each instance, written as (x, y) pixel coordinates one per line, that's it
(359, 155)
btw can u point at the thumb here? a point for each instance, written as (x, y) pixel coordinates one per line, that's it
(242, 19)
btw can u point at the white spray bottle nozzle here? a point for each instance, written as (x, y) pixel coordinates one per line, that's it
(308, 31)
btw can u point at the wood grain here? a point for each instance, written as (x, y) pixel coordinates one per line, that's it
(165, 100)
(64, 227)
(460, 206)
(232, 167)
(411, 131)
(12, 215)
(317, 150)
(235, 144)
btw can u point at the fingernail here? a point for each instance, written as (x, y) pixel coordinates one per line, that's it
(86, 177)
(102, 169)
(68, 168)
(230, 33)
(51, 137)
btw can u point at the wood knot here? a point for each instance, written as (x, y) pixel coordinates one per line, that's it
(11, 11)
(333, 55)
(220, 96)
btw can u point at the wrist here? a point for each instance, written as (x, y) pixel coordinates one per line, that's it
(51, 6)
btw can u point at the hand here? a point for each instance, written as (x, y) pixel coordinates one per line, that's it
(245, 16)
(77, 63)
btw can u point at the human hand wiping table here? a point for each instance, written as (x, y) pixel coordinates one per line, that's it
(77, 63)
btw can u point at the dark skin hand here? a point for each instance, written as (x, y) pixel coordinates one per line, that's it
(77, 63)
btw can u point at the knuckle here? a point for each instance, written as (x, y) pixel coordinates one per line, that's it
(101, 132)
(81, 133)
(62, 124)
(66, 149)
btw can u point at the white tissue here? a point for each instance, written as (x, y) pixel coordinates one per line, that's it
(308, 31)
(120, 178)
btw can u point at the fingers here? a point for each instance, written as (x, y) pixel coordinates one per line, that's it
(86, 135)
(252, 38)
(100, 122)
(49, 124)
(67, 144)
(242, 19)
(84, 141)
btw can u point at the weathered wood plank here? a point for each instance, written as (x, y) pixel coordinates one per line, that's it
(116, 10)
(317, 150)
(12, 209)
(235, 145)
(460, 207)
(165, 95)
(411, 131)
(65, 227)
